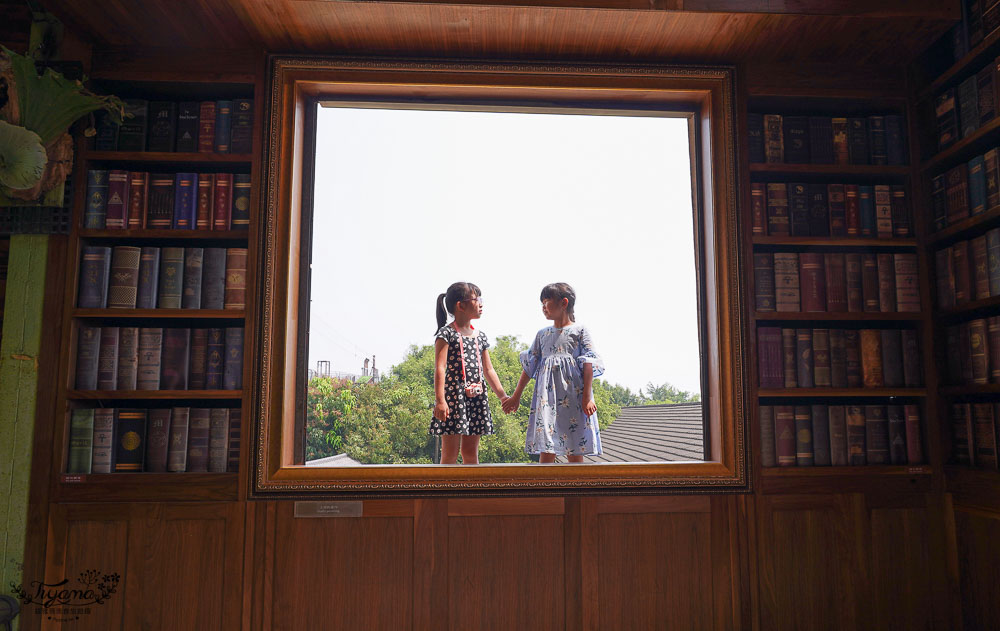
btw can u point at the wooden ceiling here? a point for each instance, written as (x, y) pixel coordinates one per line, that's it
(849, 31)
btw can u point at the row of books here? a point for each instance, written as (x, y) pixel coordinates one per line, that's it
(131, 277)
(968, 270)
(974, 434)
(836, 282)
(224, 126)
(961, 111)
(838, 358)
(830, 210)
(126, 440)
(840, 435)
(972, 352)
(877, 139)
(156, 358)
(133, 200)
(967, 190)
(979, 19)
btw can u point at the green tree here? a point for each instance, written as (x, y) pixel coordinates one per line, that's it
(667, 393)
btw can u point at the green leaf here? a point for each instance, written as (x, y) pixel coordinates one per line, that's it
(22, 157)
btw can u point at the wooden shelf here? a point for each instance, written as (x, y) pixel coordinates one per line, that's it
(846, 170)
(833, 242)
(970, 308)
(973, 486)
(768, 316)
(798, 393)
(964, 149)
(206, 314)
(154, 395)
(965, 227)
(168, 157)
(116, 487)
(949, 76)
(139, 235)
(971, 389)
(822, 479)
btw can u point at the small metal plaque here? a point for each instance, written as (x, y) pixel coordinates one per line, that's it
(73, 478)
(328, 509)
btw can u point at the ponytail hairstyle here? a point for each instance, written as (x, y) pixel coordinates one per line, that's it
(559, 291)
(446, 302)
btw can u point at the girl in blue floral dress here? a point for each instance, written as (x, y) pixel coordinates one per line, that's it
(563, 363)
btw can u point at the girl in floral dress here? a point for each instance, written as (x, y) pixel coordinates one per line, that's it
(563, 363)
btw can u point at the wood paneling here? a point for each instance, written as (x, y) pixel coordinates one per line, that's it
(900, 562)
(978, 536)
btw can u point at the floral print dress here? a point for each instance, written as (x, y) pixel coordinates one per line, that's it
(466, 416)
(557, 423)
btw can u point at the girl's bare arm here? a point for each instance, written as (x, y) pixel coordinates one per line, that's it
(491, 376)
(440, 368)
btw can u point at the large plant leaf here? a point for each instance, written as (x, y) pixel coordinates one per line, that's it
(22, 157)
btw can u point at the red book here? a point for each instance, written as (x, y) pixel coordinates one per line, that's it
(777, 209)
(758, 206)
(769, 355)
(117, 197)
(963, 275)
(138, 187)
(870, 282)
(886, 283)
(914, 441)
(836, 282)
(205, 207)
(175, 359)
(852, 272)
(812, 281)
(838, 210)
(784, 435)
(852, 210)
(206, 127)
(223, 200)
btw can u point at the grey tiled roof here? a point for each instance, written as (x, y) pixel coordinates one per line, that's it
(654, 433)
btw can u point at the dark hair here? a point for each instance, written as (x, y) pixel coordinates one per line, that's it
(560, 291)
(445, 303)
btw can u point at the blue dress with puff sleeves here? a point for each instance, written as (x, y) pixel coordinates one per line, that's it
(557, 423)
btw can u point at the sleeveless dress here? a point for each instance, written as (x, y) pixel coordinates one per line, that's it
(466, 416)
(557, 423)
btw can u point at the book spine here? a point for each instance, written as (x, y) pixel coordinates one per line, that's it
(883, 211)
(763, 269)
(961, 434)
(107, 361)
(841, 152)
(240, 215)
(128, 358)
(965, 345)
(912, 376)
(876, 435)
(157, 440)
(866, 203)
(223, 125)
(205, 206)
(138, 196)
(838, 435)
(856, 448)
(878, 143)
(857, 138)
(979, 350)
(984, 436)
(968, 110)
(821, 140)
(171, 283)
(124, 277)
(993, 260)
(777, 209)
(104, 441)
(758, 207)
(804, 357)
(852, 349)
(185, 201)
(855, 292)
(88, 350)
(216, 359)
(767, 451)
(187, 127)
(199, 359)
(233, 463)
(95, 268)
(193, 265)
(206, 127)
(871, 358)
(95, 215)
(892, 358)
(914, 441)
(236, 278)
(773, 145)
(218, 440)
(838, 210)
(786, 281)
(768, 355)
(902, 221)
(160, 210)
(795, 136)
(784, 434)
(812, 279)
(991, 167)
(162, 125)
(895, 139)
(199, 432)
(147, 286)
(175, 358)
(821, 435)
(834, 265)
(114, 217)
(803, 436)
(897, 434)
(977, 186)
(821, 357)
(177, 450)
(980, 268)
(838, 359)
(232, 378)
(132, 133)
(150, 349)
(852, 210)
(939, 203)
(947, 118)
(81, 441)
(819, 211)
(957, 193)
(755, 142)
(241, 134)
(222, 201)
(130, 440)
(945, 278)
(789, 353)
(798, 209)
(213, 284)
(107, 132)
(993, 342)
(870, 282)
(963, 275)
(886, 282)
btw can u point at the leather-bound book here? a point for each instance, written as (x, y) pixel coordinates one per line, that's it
(215, 366)
(798, 209)
(205, 205)
(107, 132)
(95, 268)
(841, 152)
(236, 279)
(838, 210)
(81, 441)
(852, 210)
(803, 436)
(763, 277)
(232, 371)
(834, 265)
(187, 127)
(175, 359)
(819, 211)
(130, 440)
(856, 432)
(821, 435)
(241, 134)
(895, 137)
(777, 209)
(878, 143)
(218, 440)
(902, 220)
(977, 186)
(821, 140)
(104, 441)
(795, 137)
(767, 452)
(961, 434)
(769, 356)
(883, 211)
(914, 440)
(240, 217)
(939, 203)
(804, 357)
(233, 461)
(199, 359)
(157, 440)
(897, 434)
(866, 203)
(789, 358)
(124, 280)
(786, 281)
(984, 435)
(213, 279)
(784, 434)
(138, 200)
(965, 356)
(886, 282)
(222, 201)
(198, 437)
(838, 435)
(821, 357)
(871, 358)
(88, 349)
(812, 280)
(944, 267)
(980, 352)
(774, 150)
(991, 166)
(858, 146)
(150, 349)
(876, 435)
(758, 207)
(993, 260)
(194, 259)
(107, 360)
(147, 286)
(968, 110)
(993, 343)
(852, 274)
(128, 358)
(223, 125)
(957, 193)
(180, 419)
(947, 118)
(185, 201)
(907, 288)
(206, 127)
(171, 283)
(755, 142)
(838, 359)
(852, 348)
(160, 210)
(132, 133)
(912, 375)
(892, 358)
(94, 217)
(870, 282)
(114, 218)
(162, 126)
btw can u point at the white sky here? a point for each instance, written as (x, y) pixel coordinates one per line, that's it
(408, 202)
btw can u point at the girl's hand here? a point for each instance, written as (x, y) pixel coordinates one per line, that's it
(511, 403)
(441, 411)
(589, 407)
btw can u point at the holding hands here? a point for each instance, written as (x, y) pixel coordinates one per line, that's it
(511, 403)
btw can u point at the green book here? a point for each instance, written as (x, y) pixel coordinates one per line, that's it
(171, 278)
(81, 441)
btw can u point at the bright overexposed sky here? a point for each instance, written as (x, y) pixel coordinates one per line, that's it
(408, 202)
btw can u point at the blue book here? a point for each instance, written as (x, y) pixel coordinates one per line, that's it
(223, 125)
(977, 185)
(866, 204)
(185, 201)
(97, 200)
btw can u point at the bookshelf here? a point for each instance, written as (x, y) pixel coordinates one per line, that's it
(4, 260)
(210, 393)
(854, 235)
